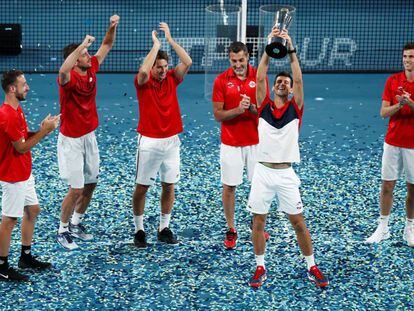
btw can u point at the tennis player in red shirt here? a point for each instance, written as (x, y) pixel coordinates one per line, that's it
(78, 154)
(398, 155)
(19, 197)
(158, 128)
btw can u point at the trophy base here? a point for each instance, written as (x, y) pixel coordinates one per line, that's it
(276, 50)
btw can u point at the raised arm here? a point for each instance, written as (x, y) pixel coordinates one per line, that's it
(144, 70)
(296, 71)
(261, 79)
(70, 61)
(48, 125)
(185, 60)
(108, 40)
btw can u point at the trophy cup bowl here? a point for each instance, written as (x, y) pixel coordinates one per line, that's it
(276, 46)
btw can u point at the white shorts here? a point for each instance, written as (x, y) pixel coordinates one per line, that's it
(158, 155)
(268, 183)
(16, 196)
(233, 160)
(78, 160)
(395, 161)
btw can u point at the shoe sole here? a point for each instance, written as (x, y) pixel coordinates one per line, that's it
(255, 286)
(75, 235)
(320, 285)
(67, 248)
(385, 237)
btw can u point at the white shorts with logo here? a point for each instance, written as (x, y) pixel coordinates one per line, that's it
(78, 159)
(269, 183)
(395, 161)
(16, 196)
(232, 162)
(158, 155)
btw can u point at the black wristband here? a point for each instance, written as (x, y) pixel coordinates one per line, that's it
(292, 51)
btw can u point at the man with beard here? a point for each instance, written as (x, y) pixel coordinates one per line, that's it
(279, 122)
(19, 197)
(234, 105)
(78, 154)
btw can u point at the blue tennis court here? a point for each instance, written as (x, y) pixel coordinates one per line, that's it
(341, 141)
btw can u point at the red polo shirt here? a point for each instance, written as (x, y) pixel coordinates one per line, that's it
(159, 112)
(77, 103)
(400, 131)
(14, 166)
(241, 130)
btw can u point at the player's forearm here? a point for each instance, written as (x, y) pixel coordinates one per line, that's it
(389, 111)
(109, 38)
(71, 60)
(31, 141)
(225, 115)
(149, 59)
(182, 54)
(263, 67)
(295, 66)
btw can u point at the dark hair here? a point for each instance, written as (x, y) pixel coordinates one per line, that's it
(162, 55)
(9, 78)
(67, 50)
(238, 46)
(409, 46)
(284, 74)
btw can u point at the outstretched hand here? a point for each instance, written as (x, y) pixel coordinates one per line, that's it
(155, 38)
(50, 123)
(87, 42)
(164, 27)
(114, 20)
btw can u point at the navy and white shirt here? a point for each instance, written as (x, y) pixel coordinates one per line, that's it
(279, 132)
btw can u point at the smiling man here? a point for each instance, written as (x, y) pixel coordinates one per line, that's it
(78, 154)
(398, 155)
(158, 142)
(234, 106)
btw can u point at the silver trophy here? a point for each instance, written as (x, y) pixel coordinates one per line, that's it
(276, 46)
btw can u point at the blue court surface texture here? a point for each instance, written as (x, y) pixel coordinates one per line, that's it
(341, 147)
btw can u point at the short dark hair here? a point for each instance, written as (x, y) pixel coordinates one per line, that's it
(162, 55)
(9, 78)
(67, 50)
(284, 74)
(238, 46)
(408, 46)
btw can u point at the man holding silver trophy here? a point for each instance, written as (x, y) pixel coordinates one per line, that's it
(279, 122)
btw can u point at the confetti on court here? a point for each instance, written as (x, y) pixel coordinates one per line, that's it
(340, 173)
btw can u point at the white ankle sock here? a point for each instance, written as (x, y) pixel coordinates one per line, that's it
(310, 261)
(77, 218)
(164, 221)
(139, 222)
(409, 223)
(63, 227)
(383, 220)
(260, 260)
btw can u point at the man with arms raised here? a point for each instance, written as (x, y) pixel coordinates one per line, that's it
(78, 153)
(159, 125)
(278, 148)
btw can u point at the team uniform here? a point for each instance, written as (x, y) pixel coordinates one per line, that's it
(78, 154)
(278, 143)
(158, 128)
(17, 182)
(239, 137)
(398, 153)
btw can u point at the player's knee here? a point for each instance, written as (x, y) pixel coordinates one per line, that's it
(259, 222)
(388, 187)
(167, 188)
(8, 223)
(76, 192)
(140, 190)
(32, 211)
(410, 191)
(299, 225)
(229, 189)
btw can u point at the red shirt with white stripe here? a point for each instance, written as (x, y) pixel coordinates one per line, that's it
(159, 112)
(14, 166)
(241, 130)
(78, 102)
(400, 131)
